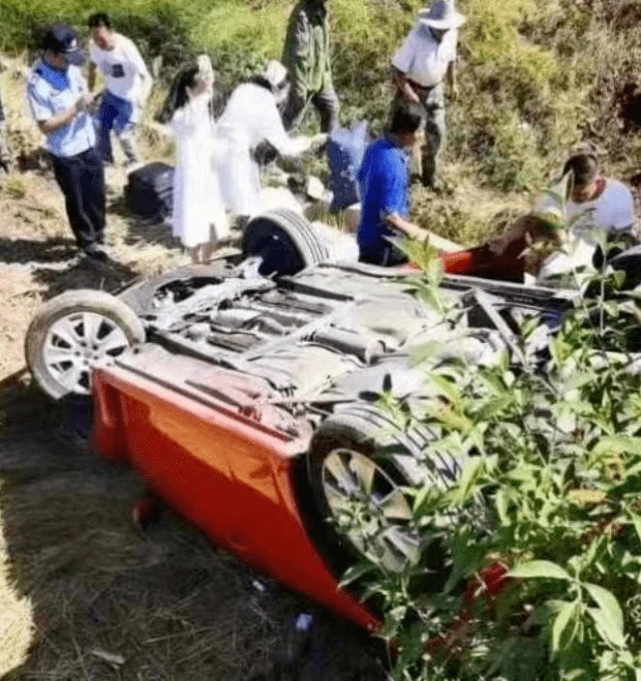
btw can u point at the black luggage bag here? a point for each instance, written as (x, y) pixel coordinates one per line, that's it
(149, 191)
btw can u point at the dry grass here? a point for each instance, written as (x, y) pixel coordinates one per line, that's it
(91, 597)
(466, 213)
(16, 628)
(107, 601)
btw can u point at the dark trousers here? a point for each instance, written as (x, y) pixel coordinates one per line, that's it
(325, 102)
(82, 181)
(386, 256)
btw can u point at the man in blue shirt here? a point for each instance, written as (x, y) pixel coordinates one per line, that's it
(385, 189)
(58, 98)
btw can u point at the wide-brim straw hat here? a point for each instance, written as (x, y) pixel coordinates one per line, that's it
(441, 15)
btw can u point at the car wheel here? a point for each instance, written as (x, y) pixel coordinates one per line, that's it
(360, 455)
(285, 241)
(74, 331)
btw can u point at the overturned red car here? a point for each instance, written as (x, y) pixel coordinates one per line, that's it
(244, 393)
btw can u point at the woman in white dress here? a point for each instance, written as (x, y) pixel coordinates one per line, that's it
(198, 217)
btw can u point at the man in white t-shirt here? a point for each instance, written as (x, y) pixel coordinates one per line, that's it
(127, 84)
(585, 207)
(422, 65)
(596, 205)
(597, 202)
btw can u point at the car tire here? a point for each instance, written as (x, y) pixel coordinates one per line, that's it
(285, 240)
(71, 333)
(360, 450)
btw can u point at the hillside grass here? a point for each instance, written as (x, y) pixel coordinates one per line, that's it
(536, 77)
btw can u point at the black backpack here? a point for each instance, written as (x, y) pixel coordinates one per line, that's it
(149, 191)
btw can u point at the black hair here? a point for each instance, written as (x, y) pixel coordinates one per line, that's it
(178, 96)
(261, 81)
(584, 168)
(406, 118)
(99, 19)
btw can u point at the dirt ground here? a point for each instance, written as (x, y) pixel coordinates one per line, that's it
(84, 594)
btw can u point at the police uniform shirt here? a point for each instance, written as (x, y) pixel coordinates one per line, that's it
(50, 92)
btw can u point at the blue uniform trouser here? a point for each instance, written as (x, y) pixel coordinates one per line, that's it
(121, 116)
(82, 181)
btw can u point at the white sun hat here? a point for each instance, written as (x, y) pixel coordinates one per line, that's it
(441, 15)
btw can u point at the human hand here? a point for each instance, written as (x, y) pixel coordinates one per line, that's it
(84, 102)
(319, 139)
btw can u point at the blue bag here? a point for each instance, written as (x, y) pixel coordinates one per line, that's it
(345, 151)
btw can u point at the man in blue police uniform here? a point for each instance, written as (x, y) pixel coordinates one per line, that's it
(58, 97)
(384, 180)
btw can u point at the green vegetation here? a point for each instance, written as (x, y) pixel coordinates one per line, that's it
(549, 489)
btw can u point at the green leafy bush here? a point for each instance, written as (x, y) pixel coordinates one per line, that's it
(549, 488)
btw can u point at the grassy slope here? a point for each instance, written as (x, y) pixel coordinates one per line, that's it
(536, 77)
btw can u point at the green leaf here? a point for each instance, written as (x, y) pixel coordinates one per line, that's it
(431, 298)
(543, 569)
(356, 572)
(603, 626)
(502, 505)
(617, 444)
(473, 469)
(494, 407)
(636, 521)
(610, 619)
(445, 388)
(569, 612)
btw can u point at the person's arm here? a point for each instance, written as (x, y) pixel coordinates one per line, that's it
(274, 132)
(451, 39)
(408, 229)
(450, 79)
(65, 117)
(624, 216)
(41, 110)
(136, 60)
(392, 176)
(401, 65)
(406, 90)
(299, 61)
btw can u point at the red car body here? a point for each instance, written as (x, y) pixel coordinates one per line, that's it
(227, 474)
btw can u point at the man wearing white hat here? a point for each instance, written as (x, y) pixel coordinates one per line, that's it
(419, 70)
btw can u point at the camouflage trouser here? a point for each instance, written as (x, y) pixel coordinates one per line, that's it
(326, 103)
(427, 163)
(6, 160)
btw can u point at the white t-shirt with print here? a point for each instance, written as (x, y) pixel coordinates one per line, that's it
(424, 60)
(123, 68)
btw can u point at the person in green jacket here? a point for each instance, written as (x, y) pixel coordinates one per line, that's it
(307, 58)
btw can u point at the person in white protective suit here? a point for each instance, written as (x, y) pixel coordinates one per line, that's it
(198, 217)
(250, 118)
